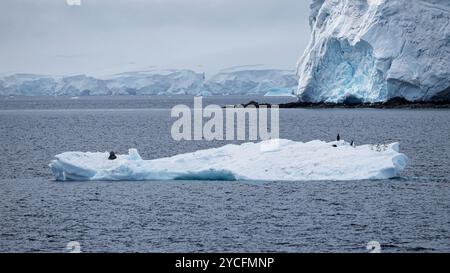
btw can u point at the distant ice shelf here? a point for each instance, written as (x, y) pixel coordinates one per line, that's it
(271, 160)
(237, 81)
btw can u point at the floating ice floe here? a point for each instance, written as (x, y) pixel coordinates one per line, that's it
(277, 160)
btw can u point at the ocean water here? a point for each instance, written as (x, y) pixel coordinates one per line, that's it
(410, 213)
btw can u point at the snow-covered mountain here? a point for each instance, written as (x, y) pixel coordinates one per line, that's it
(243, 80)
(374, 50)
(152, 82)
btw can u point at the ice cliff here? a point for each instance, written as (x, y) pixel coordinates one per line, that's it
(375, 50)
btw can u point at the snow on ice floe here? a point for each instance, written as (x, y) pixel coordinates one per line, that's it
(280, 92)
(278, 160)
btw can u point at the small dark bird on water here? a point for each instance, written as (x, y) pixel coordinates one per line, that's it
(112, 156)
(338, 138)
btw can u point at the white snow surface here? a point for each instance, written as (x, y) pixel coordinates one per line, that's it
(277, 159)
(374, 50)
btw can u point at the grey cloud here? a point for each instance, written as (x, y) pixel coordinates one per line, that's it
(180, 33)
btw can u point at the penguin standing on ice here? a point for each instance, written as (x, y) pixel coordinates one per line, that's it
(112, 156)
(338, 138)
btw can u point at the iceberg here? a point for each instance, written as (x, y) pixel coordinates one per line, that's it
(376, 50)
(270, 160)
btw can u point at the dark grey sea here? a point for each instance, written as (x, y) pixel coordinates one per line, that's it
(410, 213)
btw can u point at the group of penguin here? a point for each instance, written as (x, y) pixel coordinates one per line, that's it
(338, 138)
(378, 147)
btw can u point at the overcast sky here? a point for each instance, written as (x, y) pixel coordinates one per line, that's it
(108, 36)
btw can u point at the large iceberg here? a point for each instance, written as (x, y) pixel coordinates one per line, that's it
(375, 50)
(277, 159)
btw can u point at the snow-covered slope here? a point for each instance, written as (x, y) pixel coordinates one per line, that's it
(281, 160)
(374, 50)
(250, 81)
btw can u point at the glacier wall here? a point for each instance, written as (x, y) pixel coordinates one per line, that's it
(375, 50)
(240, 81)
(250, 81)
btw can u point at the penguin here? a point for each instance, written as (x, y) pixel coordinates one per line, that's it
(352, 143)
(338, 138)
(378, 148)
(112, 156)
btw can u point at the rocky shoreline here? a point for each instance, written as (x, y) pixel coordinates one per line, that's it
(396, 103)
